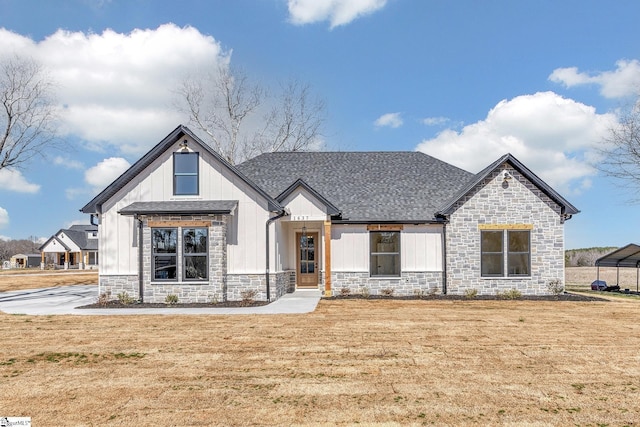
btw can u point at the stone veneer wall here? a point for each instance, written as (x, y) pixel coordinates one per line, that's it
(215, 289)
(408, 284)
(115, 285)
(493, 202)
(279, 284)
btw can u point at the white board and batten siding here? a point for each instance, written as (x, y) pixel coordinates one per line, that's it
(420, 248)
(245, 235)
(303, 206)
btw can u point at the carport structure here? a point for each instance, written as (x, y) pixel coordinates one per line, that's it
(625, 257)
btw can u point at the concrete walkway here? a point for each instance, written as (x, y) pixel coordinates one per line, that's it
(65, 299)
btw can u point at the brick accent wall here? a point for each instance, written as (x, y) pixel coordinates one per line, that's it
(494, 202)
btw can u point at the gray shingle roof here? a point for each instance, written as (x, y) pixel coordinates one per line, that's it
(181, 206)
(364, 186)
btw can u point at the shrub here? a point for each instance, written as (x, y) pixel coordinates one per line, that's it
(388, 292)
(104, 298)
(171, 299)
(345, 291)
(419, 293)
(510, 294)
(433, 291)
(470, 293)
(555, 287)
(248, 297)
(124, 298)
(364, 291)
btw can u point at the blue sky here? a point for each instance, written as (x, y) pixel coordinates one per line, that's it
(464, 81)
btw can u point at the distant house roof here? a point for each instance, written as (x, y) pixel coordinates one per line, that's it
(181, 207)
(95, 205)
(78, 234)
(364, 186)
(448, 207)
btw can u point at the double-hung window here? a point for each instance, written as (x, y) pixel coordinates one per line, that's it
(185, 174)
(505, 249)
(384, 257)
(164, 242)
(194, 262)
(194, 249)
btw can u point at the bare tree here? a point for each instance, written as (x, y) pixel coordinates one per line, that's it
(227, 108)
(621, 150)
(28, 114)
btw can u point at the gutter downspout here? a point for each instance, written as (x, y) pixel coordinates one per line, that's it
(269, 221)
(140, 269)
(444, 258)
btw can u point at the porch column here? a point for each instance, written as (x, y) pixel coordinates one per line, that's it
(66, 260)
(81, 262)
(327, 258)
(42, 264)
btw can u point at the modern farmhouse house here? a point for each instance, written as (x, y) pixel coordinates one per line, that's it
(183, 221)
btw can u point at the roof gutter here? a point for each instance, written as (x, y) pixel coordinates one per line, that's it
(269, 221)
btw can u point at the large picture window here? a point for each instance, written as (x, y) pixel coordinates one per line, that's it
(518, 253)
(385, 253)
(194, 248)
(194, 262)
(164, 256)
(185, 174)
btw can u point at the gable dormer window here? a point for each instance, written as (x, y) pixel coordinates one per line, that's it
(185, 174)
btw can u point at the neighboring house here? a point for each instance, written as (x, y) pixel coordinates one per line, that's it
(25, 261)
(75, 247)
(183, 221)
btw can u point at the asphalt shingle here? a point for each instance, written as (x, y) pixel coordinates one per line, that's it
(365, 186)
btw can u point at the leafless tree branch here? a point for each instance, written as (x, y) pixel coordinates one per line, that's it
(620, 151)
(28, 116)
(225, 108)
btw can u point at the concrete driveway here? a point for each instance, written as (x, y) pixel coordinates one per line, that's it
(65, 299)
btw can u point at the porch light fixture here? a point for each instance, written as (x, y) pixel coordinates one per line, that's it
(183, 146)
(304, 232)
(506, 177)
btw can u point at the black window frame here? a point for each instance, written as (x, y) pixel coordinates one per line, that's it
(178, 176)
(155, 253)
(186, 254)
(373, 255)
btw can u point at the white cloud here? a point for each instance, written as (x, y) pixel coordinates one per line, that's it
(4, 217)
(67, 163)
(435, 121)
(392, 120)
(13, 180)
(552, 135)
(117, 89)
(105, 172)
(622, 82)
(337, 12)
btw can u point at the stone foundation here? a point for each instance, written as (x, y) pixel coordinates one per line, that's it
(408, 284)
(115, 285)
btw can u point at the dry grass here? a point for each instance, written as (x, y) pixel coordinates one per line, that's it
(351, 361)
(13, 280)
(580, 278)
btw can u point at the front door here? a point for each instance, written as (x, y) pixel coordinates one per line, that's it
(307, 263)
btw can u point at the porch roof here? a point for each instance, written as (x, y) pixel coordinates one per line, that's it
(220, 207)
